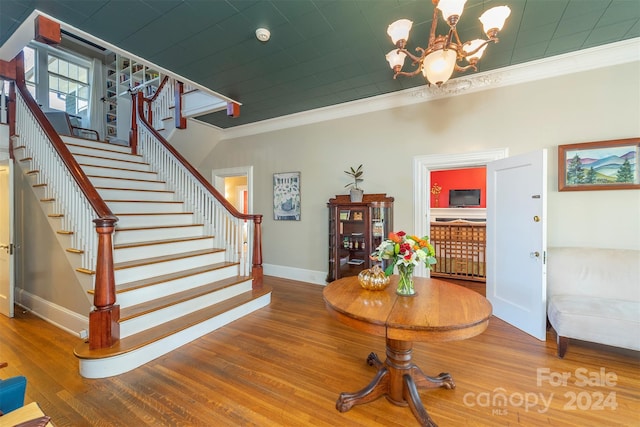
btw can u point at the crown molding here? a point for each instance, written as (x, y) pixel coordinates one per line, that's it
(582, 60)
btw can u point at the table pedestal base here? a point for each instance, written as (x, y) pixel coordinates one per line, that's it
(398, 379)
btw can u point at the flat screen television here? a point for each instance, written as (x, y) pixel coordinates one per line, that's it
(464, 198)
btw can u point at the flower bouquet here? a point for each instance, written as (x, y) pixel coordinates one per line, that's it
(405, 253)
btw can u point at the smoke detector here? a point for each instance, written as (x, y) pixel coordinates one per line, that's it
(263, 34)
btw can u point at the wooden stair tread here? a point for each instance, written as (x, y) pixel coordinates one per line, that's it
(144, 201)
(155, 260)
(152, 213)
(160, 242)
(159, 227)
(178, 297)
(135, 189)
(110, 159)
(130, 286)
(114, 168)
(156, 333)
(106, 149)
(155, 181)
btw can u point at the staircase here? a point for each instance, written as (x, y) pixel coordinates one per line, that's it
(172, 284)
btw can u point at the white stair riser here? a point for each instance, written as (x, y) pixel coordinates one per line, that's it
(150, 251)
(126, 221)
(145, 293)
(96, 161)
(107, 367)
(127, 183)
(124, 194)
(157, 317)
(152, 234)
(96, 144)
(142, 272)
(146, 207)
(75, 150)
(118, 173)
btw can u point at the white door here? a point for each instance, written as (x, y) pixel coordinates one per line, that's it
(6, 238)
(517, 241)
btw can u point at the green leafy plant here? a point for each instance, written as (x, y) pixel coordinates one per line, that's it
(356, 174)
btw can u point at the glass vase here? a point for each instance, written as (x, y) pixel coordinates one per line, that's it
(405, 284)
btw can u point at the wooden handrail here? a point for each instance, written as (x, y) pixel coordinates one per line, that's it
(153, 98)
(256, 218)
(103, 319)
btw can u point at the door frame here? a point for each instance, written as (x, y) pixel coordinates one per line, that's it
(218, 176)
(422, 168)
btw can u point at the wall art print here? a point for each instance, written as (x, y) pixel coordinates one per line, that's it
(600, 165)
(286, 196)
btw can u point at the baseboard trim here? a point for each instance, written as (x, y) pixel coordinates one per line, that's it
(293, 273)
(58, 316)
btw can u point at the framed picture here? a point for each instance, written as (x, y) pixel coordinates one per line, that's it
(344, 215)
(286, 196)
(601, 165)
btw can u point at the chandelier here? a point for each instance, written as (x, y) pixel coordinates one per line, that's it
(441, 57)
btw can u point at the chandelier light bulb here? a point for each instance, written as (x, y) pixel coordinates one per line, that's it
(396, 58)
(399, 30)
(494, 18)
(438, 66)
(451, 8)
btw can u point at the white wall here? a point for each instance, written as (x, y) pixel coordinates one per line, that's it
(593, 105)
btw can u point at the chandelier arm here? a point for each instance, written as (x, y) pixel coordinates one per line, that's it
(473, 52)
(434, 25)
(457, 37)
(413, 57)
(404, 73)
(461, 69)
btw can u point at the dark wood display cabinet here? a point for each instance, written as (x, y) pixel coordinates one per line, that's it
(355, 230)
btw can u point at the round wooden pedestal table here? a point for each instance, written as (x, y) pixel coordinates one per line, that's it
(439, 311)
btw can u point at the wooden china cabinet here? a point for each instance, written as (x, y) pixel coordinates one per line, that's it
(355, 230)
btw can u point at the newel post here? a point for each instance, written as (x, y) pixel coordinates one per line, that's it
(133, 134)
(104, 329)
(256, 271)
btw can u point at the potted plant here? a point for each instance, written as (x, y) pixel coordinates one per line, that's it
(355, 193)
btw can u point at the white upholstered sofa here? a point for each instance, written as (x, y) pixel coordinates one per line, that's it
(594, 295)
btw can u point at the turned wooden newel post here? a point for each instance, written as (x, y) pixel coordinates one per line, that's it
(104, 329)
(256, 271)
(133, 133)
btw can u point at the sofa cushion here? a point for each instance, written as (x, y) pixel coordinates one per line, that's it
(600, 273)
(604, 320)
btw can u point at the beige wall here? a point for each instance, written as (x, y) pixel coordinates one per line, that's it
(587, 106)
(42, 268)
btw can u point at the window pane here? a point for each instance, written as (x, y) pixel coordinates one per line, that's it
(29, 64)
(83, 74)
(56, 101)
(63, 68)
(32, 90)
(72, 86)
(53, 83)
(83, 92)
(54, 64)
(73, 71)
(64, 85)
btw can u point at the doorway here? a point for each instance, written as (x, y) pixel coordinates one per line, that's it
(236, 184)
(422, 168)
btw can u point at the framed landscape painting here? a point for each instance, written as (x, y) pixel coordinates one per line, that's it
(601, 165)
(286, 196)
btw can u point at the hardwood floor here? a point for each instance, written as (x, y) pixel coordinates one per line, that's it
(286, 364)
